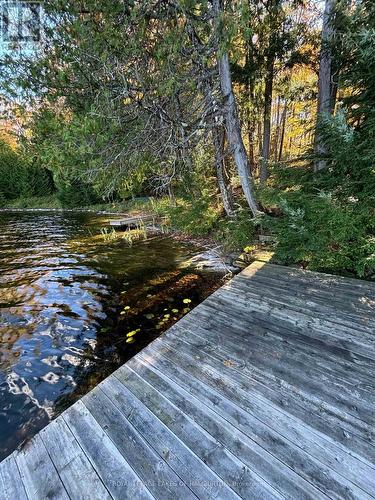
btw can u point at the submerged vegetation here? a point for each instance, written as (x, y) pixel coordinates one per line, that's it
(228, 119)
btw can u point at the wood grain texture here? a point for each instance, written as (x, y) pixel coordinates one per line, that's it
(11, 485)
(38, 473)
(265, 390)
(78, 475)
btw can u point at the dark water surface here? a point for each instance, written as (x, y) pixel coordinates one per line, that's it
(74, 305)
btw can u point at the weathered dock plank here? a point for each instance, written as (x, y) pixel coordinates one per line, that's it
(133, 221)
(38, 473)
(10, 480)
(265, 390)
(78, 475)
(203, 439)
(116, 473)
(151, 468)
(202, 480)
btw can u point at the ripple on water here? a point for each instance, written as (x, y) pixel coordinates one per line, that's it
(60, 302)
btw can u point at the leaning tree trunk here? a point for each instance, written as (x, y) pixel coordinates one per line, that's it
(218, 135)
(235, 141)
(218, 139)
(325, 105)
(233, 128)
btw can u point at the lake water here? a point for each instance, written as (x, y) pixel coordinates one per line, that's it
(75, 304)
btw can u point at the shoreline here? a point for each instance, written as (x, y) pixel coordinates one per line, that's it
(89, 210)
(211, 258)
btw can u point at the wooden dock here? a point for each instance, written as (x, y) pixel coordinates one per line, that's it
(134, 221)
(265, 390)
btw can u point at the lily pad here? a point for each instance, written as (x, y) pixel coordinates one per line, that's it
(133, 332)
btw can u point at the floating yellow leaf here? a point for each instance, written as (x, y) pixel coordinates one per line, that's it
(133, 332)
(130, 340)
(186, 301)
(175, 311)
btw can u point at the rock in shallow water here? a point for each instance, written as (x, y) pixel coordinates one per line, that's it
(211, 260)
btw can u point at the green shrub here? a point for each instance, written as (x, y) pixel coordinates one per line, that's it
(324, 235)
(3, 201)
(237, 232)
(197, 218)
(49, 201)
(75, 193)
(20, 179)
(13, 174)
(205, 218)
(39, 182)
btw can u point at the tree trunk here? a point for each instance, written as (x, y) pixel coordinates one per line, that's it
(250, 125)
(334, 90)
(251, 139)
(250, 104)
(325, 93)
(260, 137)
(267, 118)
(218, 139)
(235, 141)
(283, 123)
(171, 196)
(218, 135)
(232, 121)
(277, 133)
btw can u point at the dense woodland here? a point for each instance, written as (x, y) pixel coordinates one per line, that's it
(230, 117)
